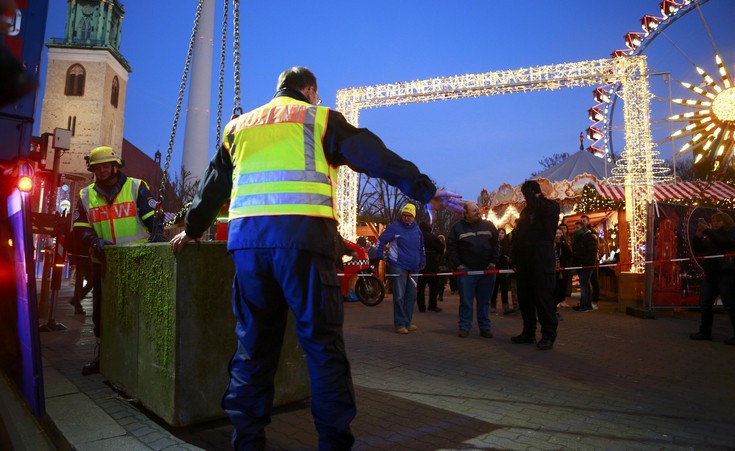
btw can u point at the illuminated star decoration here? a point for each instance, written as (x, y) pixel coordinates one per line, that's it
(711, 125)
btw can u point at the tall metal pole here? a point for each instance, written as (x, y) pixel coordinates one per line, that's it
(196, 134)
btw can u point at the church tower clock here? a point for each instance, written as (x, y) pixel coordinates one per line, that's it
(86, 81)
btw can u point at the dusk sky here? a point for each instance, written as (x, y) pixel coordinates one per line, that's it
(464, 145)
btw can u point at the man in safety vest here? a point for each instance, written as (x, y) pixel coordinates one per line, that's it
(278, 165)
(115, 209)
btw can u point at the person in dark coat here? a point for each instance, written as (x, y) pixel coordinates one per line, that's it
(472, 245)
(434, 249)
(502, 281)
(535, 265)
(719, 273)
(563, 254)
(584, 253)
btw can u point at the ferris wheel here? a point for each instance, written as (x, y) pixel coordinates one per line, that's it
(693, 104)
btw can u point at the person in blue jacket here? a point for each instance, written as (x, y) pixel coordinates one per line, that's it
(405, 257)
(277, 166)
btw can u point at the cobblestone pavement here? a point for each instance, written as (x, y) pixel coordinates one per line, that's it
(612, 381)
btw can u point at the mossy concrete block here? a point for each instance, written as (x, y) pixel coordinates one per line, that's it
(168, 331)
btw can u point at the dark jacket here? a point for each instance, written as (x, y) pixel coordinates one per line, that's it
(474, 245)
(434, 250)
(563, 255)
(715, 242)
(585, 249)
(505, 248)
(533, 237)
(343, 144)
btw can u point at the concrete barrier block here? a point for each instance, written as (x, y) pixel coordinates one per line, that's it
(168, 331)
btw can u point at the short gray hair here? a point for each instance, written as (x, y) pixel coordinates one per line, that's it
(296, 78)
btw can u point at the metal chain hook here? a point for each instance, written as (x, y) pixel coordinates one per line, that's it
(221, 86)
(237, 108)
(179, 101)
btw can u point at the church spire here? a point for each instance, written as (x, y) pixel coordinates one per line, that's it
(93, 24)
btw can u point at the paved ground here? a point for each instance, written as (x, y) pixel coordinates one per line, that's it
(611, 382)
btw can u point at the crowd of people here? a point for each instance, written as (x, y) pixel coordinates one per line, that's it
(473, 249)
(284, 244)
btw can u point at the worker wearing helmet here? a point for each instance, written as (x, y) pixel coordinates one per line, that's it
(278, 166)
(114, 210)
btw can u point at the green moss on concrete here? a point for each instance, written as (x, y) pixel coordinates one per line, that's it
(146, 273)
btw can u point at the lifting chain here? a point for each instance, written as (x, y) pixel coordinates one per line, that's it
(179, 102)
(237, 108)
(221, 85)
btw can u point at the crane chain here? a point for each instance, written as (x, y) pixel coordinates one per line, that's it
(221, 86)
(179, 102)
(237, 108)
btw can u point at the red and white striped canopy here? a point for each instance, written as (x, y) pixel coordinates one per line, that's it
(681, 190)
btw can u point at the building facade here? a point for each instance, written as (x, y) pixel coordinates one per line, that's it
(86, 82)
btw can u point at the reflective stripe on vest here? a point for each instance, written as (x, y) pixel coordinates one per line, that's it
(279, 162)
(117, 222)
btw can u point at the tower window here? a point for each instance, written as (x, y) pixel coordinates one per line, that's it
(115, 91)
(75, 81)
(72, 125)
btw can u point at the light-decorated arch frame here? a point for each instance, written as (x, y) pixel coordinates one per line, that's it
(637, 169)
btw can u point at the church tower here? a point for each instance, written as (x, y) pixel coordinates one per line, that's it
(86, 81)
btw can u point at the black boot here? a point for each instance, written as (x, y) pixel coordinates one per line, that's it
(92, 367)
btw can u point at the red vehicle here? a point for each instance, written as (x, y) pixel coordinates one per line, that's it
(368, 287)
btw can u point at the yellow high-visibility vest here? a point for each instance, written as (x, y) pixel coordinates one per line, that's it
(119, 221)
(279, 163)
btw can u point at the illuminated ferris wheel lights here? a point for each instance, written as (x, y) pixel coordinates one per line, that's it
(649, 23)
(595, 114)
(633, 40)
(594, 134)
(601, 95)
(697, 158)
(724, 105)
(668, 7)
(697, 137)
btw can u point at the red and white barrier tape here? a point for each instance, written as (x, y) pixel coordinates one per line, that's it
(567, 268)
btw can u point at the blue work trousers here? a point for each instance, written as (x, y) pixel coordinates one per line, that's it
(267, 283)
(476, 287)
(404, 295)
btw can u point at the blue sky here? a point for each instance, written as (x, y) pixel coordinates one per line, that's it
(464, 145)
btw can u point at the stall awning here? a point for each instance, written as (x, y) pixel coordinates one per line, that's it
(681, 190)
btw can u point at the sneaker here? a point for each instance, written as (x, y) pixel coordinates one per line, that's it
(701, 336)
(730, 341)
(509, 311)
(579, 308)
(563, 304)
(412, 327)
(352, 296)
(523, 339)
(435, 309)
(402, 331)
(594, 306)
(463, 333)
(422, 309)
(486, 333)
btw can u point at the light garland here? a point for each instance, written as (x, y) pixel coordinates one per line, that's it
(567, 75)
(509, 216)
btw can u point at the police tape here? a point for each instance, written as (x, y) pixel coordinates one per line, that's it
(566, 268)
